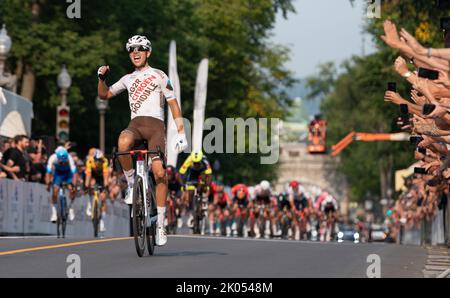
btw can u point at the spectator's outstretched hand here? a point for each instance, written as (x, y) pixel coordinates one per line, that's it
(412, 42)
(438, 112)
(443, 78)
(422, 126)
(418, 155)
(423, 86)
(420, 100)
(427, 141)
(400, 65)
(393, 97)
(390, 36)
(446, 173)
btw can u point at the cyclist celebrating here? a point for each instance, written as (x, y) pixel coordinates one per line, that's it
(97, 174)
(192, 170)
(147, 88)
(61, 166)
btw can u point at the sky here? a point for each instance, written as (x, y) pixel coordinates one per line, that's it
(321, 31)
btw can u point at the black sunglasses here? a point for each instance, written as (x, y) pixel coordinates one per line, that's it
(139, 48)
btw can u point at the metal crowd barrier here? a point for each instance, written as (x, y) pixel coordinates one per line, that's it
(25, 210)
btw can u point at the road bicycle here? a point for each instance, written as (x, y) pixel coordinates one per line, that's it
(200, 207)
(171, 213)
(61, 211)
(96, 210)
(144, 212)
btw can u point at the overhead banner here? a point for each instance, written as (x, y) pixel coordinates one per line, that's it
(172, 155)
(201, 87)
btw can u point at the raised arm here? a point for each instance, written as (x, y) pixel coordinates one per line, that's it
(103, 90)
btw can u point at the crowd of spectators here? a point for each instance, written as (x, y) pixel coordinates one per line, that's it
(426, 115)
(25, 159)
(22, 159)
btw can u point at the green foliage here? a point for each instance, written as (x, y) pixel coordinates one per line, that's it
(247, 77)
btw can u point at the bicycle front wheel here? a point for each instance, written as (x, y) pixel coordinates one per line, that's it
(63, 216)
(139, 218)
(95, 216)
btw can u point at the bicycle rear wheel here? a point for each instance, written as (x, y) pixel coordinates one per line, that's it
(139, 218)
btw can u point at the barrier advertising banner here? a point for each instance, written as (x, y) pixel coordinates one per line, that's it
(25, 209)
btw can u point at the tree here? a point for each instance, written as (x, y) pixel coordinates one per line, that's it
(247, 77)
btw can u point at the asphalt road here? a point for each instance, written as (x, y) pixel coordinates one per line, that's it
(188, 256)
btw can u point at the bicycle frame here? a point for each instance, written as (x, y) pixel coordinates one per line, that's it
(61, 212)
(141, 170)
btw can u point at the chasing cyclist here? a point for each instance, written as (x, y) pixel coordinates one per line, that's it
(329, 208)
(62, 168)
(196, 172)
(241, 201)
(97, 174)
(148, 91)
(219, 215)
(175, 184)
(302, 207)
(263, 200)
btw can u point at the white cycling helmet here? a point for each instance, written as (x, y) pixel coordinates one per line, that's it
(98, 154)
(265, 185)
(329, 199)
(257, 189)
(139, 40)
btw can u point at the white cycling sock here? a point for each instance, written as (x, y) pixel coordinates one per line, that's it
(161, 216)
(129, 175)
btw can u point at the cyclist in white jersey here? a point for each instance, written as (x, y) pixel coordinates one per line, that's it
(148, 90)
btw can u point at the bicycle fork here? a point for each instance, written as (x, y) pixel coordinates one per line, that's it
(141, 171)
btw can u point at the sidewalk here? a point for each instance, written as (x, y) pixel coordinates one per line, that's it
(438, 262)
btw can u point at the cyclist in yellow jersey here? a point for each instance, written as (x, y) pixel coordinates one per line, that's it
(97, 174)
(196, 171)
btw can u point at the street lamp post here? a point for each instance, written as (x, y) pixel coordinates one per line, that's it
(64, 82)
(7, 80)
(5, 47)
(102, 105)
